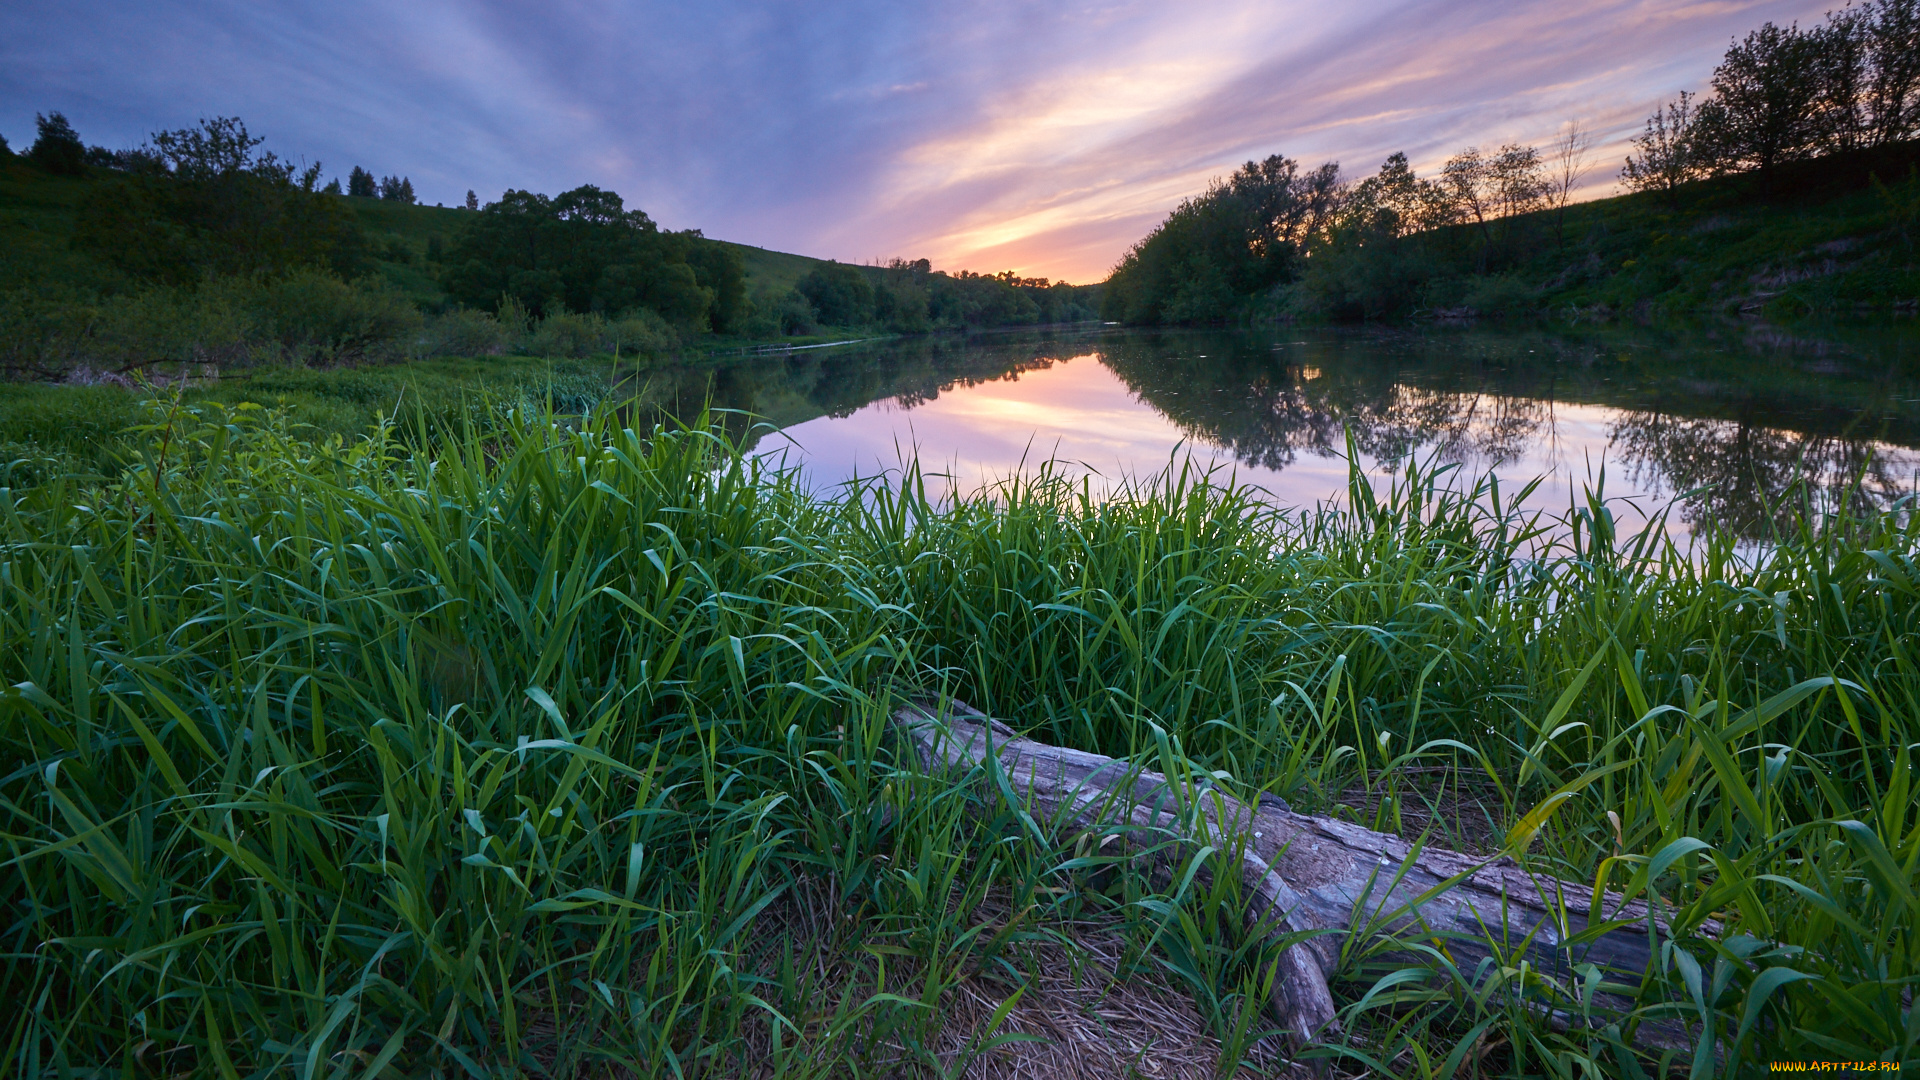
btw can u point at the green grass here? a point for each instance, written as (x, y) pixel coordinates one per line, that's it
(1831, 237)
(327, 759)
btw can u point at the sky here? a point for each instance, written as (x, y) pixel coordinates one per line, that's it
(1023, 135)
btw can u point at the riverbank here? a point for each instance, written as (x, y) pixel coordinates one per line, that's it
(563, 747)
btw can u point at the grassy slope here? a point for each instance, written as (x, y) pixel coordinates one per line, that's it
(37, 218)
(1813, 238)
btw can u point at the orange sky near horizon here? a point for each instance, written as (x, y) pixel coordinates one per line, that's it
(1056, 177)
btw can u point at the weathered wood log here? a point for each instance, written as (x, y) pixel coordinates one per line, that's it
(1307, 873)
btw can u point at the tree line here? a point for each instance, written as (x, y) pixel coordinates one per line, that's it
(201, 246)
(1275, 238)
(909, 296)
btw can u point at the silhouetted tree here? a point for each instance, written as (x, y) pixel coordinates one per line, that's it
(473, 201)
(1569, 165)
(361, 184)
(1665, 155)
(1765, 107)
(58, 149)
(1892, 110)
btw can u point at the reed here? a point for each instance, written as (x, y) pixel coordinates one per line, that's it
(336, 758)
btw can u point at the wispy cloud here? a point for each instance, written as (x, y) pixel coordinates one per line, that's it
(1042, 137)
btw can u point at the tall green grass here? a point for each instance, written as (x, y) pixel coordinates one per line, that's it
(330, 758)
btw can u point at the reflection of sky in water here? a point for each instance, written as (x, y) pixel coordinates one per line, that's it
(1079, 412)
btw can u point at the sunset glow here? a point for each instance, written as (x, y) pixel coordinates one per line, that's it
(1039, 138)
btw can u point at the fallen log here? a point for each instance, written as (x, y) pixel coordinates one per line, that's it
(1309, 874)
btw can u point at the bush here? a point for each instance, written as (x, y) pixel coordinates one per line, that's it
(311, 317)
(577, 336)
(1501, 295)
(464, 332)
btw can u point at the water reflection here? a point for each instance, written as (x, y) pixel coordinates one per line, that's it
(1742, 412)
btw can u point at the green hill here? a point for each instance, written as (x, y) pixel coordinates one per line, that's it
(38, 211)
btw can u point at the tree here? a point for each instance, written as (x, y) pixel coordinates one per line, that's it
(1215, 252)
(398, 189)
(333, 187)
(840, 294)
(360, 184)
(1893, 88)
(1520, 184)
(473, 201)
(1394, 202)
(1839, 54)
(58, 149)
(1765, 108)
(1664, 155)
(214, 206)
(1568, 163)
(5, 150)
(584, 251)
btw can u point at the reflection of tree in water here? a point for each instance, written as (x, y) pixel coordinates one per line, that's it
(1267, 408)
(789, 389)
(1768, 409)
(1758, 479)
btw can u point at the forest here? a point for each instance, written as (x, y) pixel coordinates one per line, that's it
(202, 248)
(1788, 187)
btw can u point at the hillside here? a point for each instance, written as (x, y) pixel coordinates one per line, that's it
(1832, 236)
(38, 211)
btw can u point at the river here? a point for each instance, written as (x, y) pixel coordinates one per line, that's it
(1726, 419)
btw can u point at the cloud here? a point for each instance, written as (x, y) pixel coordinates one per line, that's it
(1010, 134)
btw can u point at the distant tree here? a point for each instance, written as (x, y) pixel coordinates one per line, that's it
(1664, 154)
(332, 188)
(360, 184)
(1765, 108)
(138, 159)
(473, 201)
(397, 188)
(840, 294)
(58, 149)
(581, 251)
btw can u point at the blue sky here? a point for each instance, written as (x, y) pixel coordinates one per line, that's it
(1042, 137)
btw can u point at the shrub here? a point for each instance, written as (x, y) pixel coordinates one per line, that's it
(311, 317)
(464, 332)
(579, 336)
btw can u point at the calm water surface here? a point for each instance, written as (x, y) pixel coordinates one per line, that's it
(1730, 416)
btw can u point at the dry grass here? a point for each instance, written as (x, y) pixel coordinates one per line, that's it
(1086, 1009)
(1454, 808)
